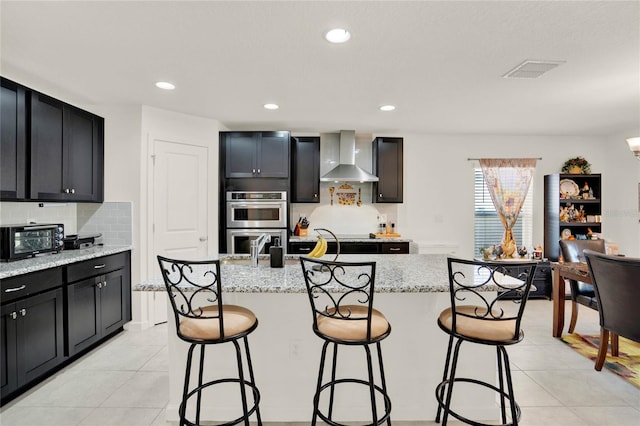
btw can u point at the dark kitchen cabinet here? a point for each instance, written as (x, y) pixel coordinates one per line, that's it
(305, 169)
(256, 154)
(13, 141)
(99, 299)
(541, 284)
(565, 191)
(388, 166)
(67, 152)
(32, 328)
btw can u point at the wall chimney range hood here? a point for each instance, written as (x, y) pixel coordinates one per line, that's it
(346, 170)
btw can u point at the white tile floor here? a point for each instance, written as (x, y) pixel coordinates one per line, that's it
(125, 382)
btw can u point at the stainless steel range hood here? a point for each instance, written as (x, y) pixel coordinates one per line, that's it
(346, 170)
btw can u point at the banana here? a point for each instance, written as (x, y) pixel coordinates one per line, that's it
(318, 248)
(323, 248)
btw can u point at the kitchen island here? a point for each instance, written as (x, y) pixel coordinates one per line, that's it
(411, 290)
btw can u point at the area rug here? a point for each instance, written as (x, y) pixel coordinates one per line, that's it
(627, 365)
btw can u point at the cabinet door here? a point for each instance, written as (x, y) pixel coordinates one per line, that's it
(388, 166)
(305, 167)
(113, 301)
(240, 154)
(394, 248)
(40, 335)
(83, 154)
(13, 141)
(273, 155)
(46, 149)
(84, 314)
(8, 349)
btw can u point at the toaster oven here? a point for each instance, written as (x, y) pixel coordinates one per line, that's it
(28, 240)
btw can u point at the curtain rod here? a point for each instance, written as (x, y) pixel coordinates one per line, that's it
(473, 159)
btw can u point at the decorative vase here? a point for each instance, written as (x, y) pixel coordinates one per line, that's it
(575, 170)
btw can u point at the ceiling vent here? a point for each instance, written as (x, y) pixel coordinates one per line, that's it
(532, 69)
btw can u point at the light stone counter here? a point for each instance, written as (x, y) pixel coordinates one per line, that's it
(395, 273)
(65, 257)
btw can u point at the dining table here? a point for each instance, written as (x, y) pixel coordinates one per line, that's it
(578, 271)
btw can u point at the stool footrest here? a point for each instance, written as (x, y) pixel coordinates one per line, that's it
(387, 400)
(250, 411)
(440, 391)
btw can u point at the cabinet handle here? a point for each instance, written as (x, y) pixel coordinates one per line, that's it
(11, 290)
(305, 248)
(99, 266)
(23, 312)
(73, 191)
(380, 195)
(394, 249)
(104, 284)
(253, 171)
(66, 190)
(13, 315)
(99, 285)
(203, 239)
(258, 171)
(315, 195)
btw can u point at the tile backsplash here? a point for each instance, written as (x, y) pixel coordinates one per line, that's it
(111, 219)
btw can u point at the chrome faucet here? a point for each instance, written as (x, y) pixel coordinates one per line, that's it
(256, 246)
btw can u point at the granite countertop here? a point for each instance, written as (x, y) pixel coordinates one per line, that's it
(399, 273)
(65, 257)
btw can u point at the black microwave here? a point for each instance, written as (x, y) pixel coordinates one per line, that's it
(27, 240)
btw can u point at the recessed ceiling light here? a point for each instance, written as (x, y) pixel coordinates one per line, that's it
(337, 35)
(387, 107)
(165, 85)
(271, 106)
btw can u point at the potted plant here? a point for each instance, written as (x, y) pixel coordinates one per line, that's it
(576, 166)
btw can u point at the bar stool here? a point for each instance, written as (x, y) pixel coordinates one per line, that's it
(490, 318)
(341, 298)
(188, 284)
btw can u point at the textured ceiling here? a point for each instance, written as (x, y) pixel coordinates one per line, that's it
(441, 63)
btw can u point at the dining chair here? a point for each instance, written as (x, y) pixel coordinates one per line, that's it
(616, 280)
(581, 293)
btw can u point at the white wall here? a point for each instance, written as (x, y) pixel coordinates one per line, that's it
(438, 183)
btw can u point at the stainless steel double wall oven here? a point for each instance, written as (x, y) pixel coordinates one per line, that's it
(252, 213)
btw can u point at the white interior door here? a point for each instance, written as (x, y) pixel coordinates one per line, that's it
(180, 192)
(180, 195)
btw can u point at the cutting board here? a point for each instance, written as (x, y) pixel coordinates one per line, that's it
(389, 235)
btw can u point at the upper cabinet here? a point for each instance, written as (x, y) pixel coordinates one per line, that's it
(256, 154)
(51, 151)
(67, 151)
(388, 166)
(13, 141)
(305, 169)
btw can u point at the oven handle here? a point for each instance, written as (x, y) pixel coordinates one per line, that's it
(257, 204)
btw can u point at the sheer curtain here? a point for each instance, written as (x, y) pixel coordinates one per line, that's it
(508, 181)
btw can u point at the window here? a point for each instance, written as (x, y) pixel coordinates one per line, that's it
(488, 227)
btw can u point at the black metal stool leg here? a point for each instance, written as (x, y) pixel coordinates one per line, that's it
(253, 382)
(444, 376)
(243, 391)
(316, 397)
(333, 379)
(512, 397)
(200, 373)
(187, 374)
(452, 376)
(372, 389)
(382, 377)
(503, 410)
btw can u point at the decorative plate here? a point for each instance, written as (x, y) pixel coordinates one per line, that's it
(568, 188)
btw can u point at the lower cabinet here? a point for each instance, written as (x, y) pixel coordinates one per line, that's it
(32, 338)
(99, 304)
(348, 247)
